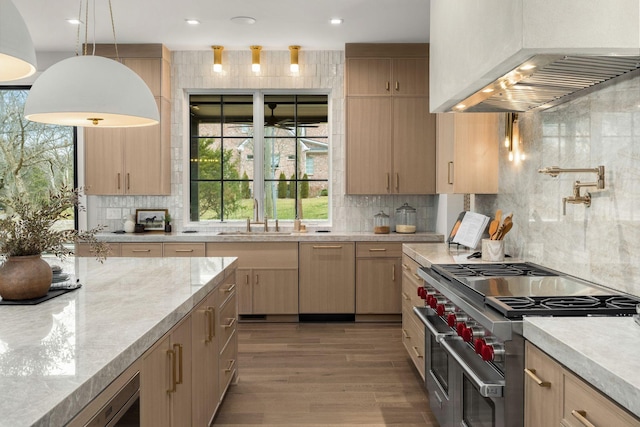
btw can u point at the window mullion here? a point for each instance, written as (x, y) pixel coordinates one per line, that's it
(258, 151)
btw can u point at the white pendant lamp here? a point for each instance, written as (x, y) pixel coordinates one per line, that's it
(17, 55)
(91, 91)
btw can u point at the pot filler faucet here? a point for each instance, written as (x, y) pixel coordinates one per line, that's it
(577, 198)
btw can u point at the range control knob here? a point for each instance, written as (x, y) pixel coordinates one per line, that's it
(436, 300)
(493, 352)
(472, 332)
(460, 327)
(478, 345)
(452, 320)
(442, 309)
(422, 293)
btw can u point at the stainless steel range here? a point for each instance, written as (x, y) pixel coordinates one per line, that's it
(474, 346)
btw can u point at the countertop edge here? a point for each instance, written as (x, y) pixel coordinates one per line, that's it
(74, 403)
(540, 332)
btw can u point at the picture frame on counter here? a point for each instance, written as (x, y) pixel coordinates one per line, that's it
(152, 219)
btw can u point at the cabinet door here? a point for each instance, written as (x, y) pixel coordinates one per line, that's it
(542, 389)
(244, 288)
(205, 361)
(369, 133)
(327, 278)
(104, 167)
(378, 286)
(368, 76)
(476, 153)
(445, 123)
(414, 146)
(156, 379)
(410, 77)
(181, 400)
(275, 291)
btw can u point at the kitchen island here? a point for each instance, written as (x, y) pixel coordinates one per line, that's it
(601, 350)
(57, 356)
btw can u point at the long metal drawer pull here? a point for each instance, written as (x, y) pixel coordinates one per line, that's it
(497, 390)
(230, 288)
(174, 368)
(257, 279)
(450, 173)
(405, 334)
(118, 180)
(246, 279)
(416, 276)
(393, 273)
(533, 376)
(141, 250)
(179, 347)
(397, 85)
(405, 296)
(581, 415)
(377, 249)
(328, 247)
(128, 181)
(387, 181)
(232, 363)
(397, 181)
(387, 86)
(418, 355)
(184, 250)
(405, 267)
(230, 324)
(209, 315)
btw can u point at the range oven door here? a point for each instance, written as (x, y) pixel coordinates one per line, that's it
(476, 387)
(437, 369)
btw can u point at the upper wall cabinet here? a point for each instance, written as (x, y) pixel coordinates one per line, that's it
(467, 153)
(390, 132)
(134, 161)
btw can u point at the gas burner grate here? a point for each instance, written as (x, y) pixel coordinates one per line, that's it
(518, 303)
(570, 302)
(492, 270)
(621, 302)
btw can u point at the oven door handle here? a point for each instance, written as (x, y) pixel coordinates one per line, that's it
(438, 336)
(489, 389)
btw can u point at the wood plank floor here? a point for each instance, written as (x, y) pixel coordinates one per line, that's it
(324, 374)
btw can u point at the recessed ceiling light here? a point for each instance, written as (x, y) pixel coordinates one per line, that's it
(336, 21)
(488, 90)
(192, 21)
(527, 67)
(245, 20)
(74, 21)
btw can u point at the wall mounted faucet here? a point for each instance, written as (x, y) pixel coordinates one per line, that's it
(577, 198)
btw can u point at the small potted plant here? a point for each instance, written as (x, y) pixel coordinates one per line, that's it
(167, 223)
(28, 229)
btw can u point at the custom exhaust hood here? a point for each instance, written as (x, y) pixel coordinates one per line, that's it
(528, 55)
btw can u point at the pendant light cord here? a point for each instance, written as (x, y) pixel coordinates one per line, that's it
(113, 28)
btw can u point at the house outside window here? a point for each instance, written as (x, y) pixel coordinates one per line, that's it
(251, 152)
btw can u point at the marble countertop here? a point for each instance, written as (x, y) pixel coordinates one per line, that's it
(57, 356)
(602, 350)
(310, 236)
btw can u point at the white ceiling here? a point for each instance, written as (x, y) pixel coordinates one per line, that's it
(280, 23)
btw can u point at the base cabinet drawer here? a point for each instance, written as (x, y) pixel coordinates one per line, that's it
(413, 340)
(228, 363)
(183, 249)
(227, 321)
(141, 249)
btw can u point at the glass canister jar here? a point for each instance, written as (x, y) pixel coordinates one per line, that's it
(381, 223)
(405, 219)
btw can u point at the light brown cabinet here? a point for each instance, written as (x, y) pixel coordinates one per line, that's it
(556, 396)
(227, 322)
(134, 161)
(267, 277)
(378, 278)
(467, 153)
(327, 278)
(206, 393)
(141, 249)
(413, 337)
(165, 383)
(390, 133)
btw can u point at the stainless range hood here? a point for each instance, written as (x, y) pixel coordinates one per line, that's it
(527, 55)
(547, 80)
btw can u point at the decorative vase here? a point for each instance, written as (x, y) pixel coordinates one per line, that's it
(24, 277)
(167, 227)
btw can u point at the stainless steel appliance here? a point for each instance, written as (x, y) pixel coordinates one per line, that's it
(123, 409)
(474, 346)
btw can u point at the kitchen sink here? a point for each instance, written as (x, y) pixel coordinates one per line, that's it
(255, 233)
